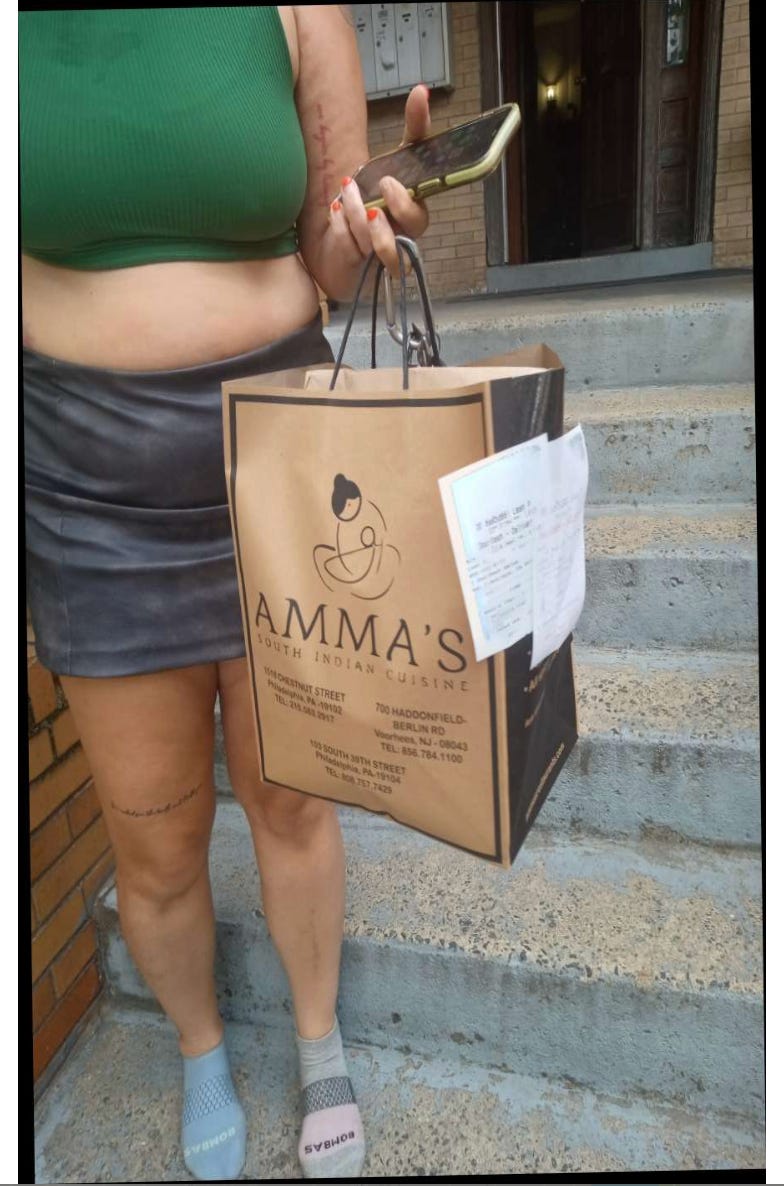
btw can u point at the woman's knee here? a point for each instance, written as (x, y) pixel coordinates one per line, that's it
(285, 815)
(161, 882)
(162, 865)
(282, 814)
(149, 742)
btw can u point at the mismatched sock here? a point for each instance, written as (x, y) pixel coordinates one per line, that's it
(213, 1122)
(332, 1144)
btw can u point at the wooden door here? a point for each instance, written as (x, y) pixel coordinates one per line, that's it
(610, 81)
(674, 32)
(516, 39)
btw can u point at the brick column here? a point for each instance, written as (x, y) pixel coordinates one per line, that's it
(70, 859)
(732, 227)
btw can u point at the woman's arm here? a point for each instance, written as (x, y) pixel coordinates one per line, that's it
(335, 237)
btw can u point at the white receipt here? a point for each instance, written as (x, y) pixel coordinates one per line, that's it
(516, 525)
(559, 567)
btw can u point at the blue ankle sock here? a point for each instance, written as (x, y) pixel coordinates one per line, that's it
(213, 1122)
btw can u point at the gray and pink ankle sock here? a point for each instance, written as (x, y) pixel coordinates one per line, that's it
(332, 1144)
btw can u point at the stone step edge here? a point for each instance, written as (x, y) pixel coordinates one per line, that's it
(363, 820)
(674, 659)
(385, 971)
(697, 512)
(657, 855)
(107, 917)
(618, 533)
(576, 304)
(602, 343)
(127, 1010)
(363, 945)
(637, 406)
(715, 1040)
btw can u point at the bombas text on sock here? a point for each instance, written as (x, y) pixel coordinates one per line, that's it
(212, 1142)
(330, 1144)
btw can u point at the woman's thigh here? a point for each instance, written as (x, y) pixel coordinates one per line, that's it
(149, 743)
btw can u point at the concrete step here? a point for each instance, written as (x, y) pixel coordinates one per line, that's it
(688, 330)
(113, 1114)
(668, 444)
(677, 576)
(624, 968)
(669, 746)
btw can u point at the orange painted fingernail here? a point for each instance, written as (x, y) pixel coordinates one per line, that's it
(336, 204)
(346, 181)
(372, 214)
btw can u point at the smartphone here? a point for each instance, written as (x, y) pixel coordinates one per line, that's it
(462, 154)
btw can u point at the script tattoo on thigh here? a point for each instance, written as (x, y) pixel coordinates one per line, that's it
(157, 810)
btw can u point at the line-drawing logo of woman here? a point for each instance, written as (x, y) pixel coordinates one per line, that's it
(361, 558)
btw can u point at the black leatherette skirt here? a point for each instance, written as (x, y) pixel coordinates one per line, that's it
(130, 562)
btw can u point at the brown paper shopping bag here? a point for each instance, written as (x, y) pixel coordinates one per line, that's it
(364, 685)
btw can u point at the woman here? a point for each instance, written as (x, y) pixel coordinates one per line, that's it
(180, 179)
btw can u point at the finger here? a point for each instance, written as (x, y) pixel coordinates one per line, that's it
(342, 232)
(382, 236)
(412, 217)
(417, 119)
(355, 214)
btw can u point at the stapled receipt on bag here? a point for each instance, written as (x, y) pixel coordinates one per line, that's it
(516, 523)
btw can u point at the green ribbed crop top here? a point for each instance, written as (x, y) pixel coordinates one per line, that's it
(154, 134)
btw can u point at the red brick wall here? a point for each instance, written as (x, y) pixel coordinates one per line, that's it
(454, 247)
(70, 860)
(732, 226)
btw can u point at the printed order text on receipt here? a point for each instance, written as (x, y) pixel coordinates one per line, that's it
(516, 523)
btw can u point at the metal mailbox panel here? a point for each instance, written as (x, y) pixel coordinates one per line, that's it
(431, 38)
(401, 45)
(385, 47)
(407, 32)
(363, 25)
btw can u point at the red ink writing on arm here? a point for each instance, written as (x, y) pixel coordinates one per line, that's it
(325, 164)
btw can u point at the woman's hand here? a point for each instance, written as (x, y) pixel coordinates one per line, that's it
(332, 108)
(374, 230)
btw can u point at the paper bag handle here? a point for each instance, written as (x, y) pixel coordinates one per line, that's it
(409, 247)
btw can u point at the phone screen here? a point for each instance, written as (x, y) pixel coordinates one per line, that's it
(447, 152)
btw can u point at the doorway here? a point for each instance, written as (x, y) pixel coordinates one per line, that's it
(613, 174)
(574, 68)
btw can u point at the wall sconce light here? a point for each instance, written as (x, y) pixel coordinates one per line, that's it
(550, 95)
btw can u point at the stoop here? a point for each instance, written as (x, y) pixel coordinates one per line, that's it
(599, 1006)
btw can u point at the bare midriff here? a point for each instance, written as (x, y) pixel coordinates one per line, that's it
(165, 315)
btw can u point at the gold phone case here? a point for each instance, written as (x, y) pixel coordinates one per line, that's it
(490, 161)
